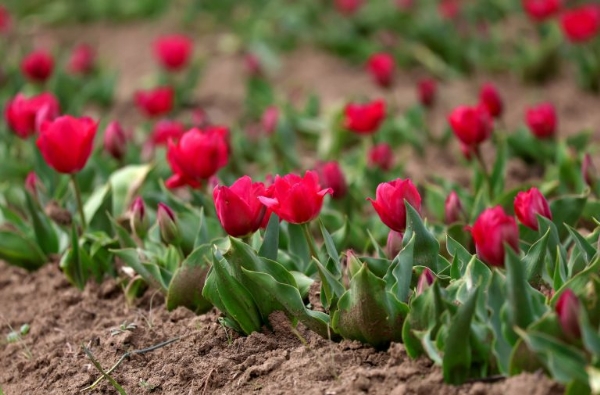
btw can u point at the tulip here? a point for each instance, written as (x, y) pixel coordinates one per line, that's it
(393, 246)
(348, 7)
(389, 202)
(449, 9)
(269, 120)
(82, 60)
(173, 51)
(253, 65)
(197, 156)
(381, 156)
(490, 98)
(155, 102)
(25, 115)
(167, 224)
(581, 24)
(165, 130)
(426, 91)
(567, 308)
(426, 279)
(5, 20)
(540, 10)
(472, 125)
(296, 199)
(332, 177)
(66, 143)
(453, 209)
(528, 205)
(381, 67)
(589, 172)
(364, 118)
(115, 140)
(541, 120)
(37, 66)
(467, 151)
(238, 208)
(491, 231)
(138, 219)
(32, 184)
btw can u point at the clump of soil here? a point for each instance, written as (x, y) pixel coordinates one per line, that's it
(206, 358)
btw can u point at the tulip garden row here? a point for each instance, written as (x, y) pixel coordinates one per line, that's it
(482, 279)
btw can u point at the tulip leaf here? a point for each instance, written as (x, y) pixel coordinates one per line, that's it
(496, 298)
(186, 287)
(202, 237)
(380, 251)
(76, 262)
(536, 257)
(45, 234)
(270, 244)
(150, 272)
(98, 209)
(331, 251)
(497, 176)
(399, 275)
(368, 313)
(125, 183)
(230, 296)
(426, 248)
(124, 238)
(564, 362)
(457, 352)
(586, 248)
(331, 288)
(461, 259)
(589, 335)
(299, 247)
(579, 281)
(566, 210)
(20, 251)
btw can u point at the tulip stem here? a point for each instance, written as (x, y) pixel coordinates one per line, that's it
(79, 201)
(310, 240)
(486, 175)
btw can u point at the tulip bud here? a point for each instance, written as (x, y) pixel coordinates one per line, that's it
(541, 120)
(138, 219)
(490, 98)
(37, 66)
(581, 24)
(528, 205)
(453, 209)
(449, 9)
(381, 67)
(389, 202)
(269, 120)
(567, 308)
(491, 231)
(167, 224)
(471, 125)
(173, 51)
(32, 183)
(353, 263)
(425, 280)
(155, 102)
(200, 118)
(332, 177)
(394, 244)
(364, 118)
(589, 172)
(540, 10)
(115, 140)
(381, 156)
(426, 92)
(82, 60)
(253, 66)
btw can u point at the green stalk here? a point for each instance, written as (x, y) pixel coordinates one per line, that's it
(79, 201)
(310, 240)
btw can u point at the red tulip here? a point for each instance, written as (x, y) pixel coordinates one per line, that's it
(467, 151)
(165, 130)
(490, 98)
(25, 115)
(196, 157)
(389, 202)
(393, 246)
(167, 224)
(540, 10)
(589, 172)
(541, 120)
(528, 205)
(173, 51)
(82, 60)
(332, 177)
(453, 209)
(238, 208)
(5, 20)
(364, 118)
(567, 308)
(115, 140)
(66, 143)
(472, 125)
(381, 156)
(155, 102)
(32, 183)
(381, 67)
(449, 9)
(37, 66)
(581, 24)
(138, 219)
(348, 7)
(296, 199)
(252, 64)
(269, 120)
(426, 91)
(426, 279)
(491, 231)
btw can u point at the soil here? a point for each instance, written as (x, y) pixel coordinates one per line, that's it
(207, 358)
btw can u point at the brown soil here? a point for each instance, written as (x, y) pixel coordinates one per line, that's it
(207, 358)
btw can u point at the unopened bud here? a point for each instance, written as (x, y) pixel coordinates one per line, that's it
(115, 140)
(32, 183)
(567, 309)
(167, 224)
(394, 244)
(138, 219)
(453, 209)
(353, 263)
(425, 280)
(589, 172)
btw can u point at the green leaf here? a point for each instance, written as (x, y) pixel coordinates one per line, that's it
(270, 244)
(586, 248)
(125, 183)
(186, 287)
(380, 251)
(150, 272)
(566, 210)
(98, 209)
(331, 251)
(497, 176)
(299, 247)
(536, 257)
(20, 251)
(331, 287)
(399, 276)
(426, 247)
(496, 299)
(457, 352)
(124, 238)
(521, 309)
(462, 257)
(46, 235)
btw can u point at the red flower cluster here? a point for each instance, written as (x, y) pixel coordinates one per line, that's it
(26, 115)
